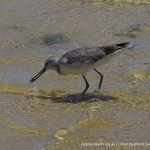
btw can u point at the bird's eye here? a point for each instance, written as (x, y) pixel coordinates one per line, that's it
(46, 63)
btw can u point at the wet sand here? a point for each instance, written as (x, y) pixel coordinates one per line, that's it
(51, 114)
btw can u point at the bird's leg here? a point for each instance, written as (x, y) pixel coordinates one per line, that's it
(87, 84)
(101, 78)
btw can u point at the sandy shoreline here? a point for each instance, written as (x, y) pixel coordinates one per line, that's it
(35, 123)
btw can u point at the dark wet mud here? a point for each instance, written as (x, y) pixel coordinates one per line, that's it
(50, 113)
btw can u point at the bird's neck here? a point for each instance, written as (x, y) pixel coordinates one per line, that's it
(56, 67)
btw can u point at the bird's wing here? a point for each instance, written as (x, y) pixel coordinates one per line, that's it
(82, 56)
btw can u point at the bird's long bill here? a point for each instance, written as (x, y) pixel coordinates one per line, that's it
(38, 75)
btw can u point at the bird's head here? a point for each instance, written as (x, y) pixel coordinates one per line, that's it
(50, 64)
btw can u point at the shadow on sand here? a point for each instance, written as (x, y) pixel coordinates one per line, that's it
(77, 98)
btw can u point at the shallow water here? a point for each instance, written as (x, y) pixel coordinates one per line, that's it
(50, 114)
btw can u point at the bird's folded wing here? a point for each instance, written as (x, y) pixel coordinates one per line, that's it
(82, 56)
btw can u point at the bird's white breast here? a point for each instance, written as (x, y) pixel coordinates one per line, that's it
(74, 70)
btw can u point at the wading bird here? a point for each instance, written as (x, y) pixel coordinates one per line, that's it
(81, 60)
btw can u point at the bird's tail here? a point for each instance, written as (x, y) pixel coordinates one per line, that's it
(115, 47)
(122, 45)
(126, 45)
